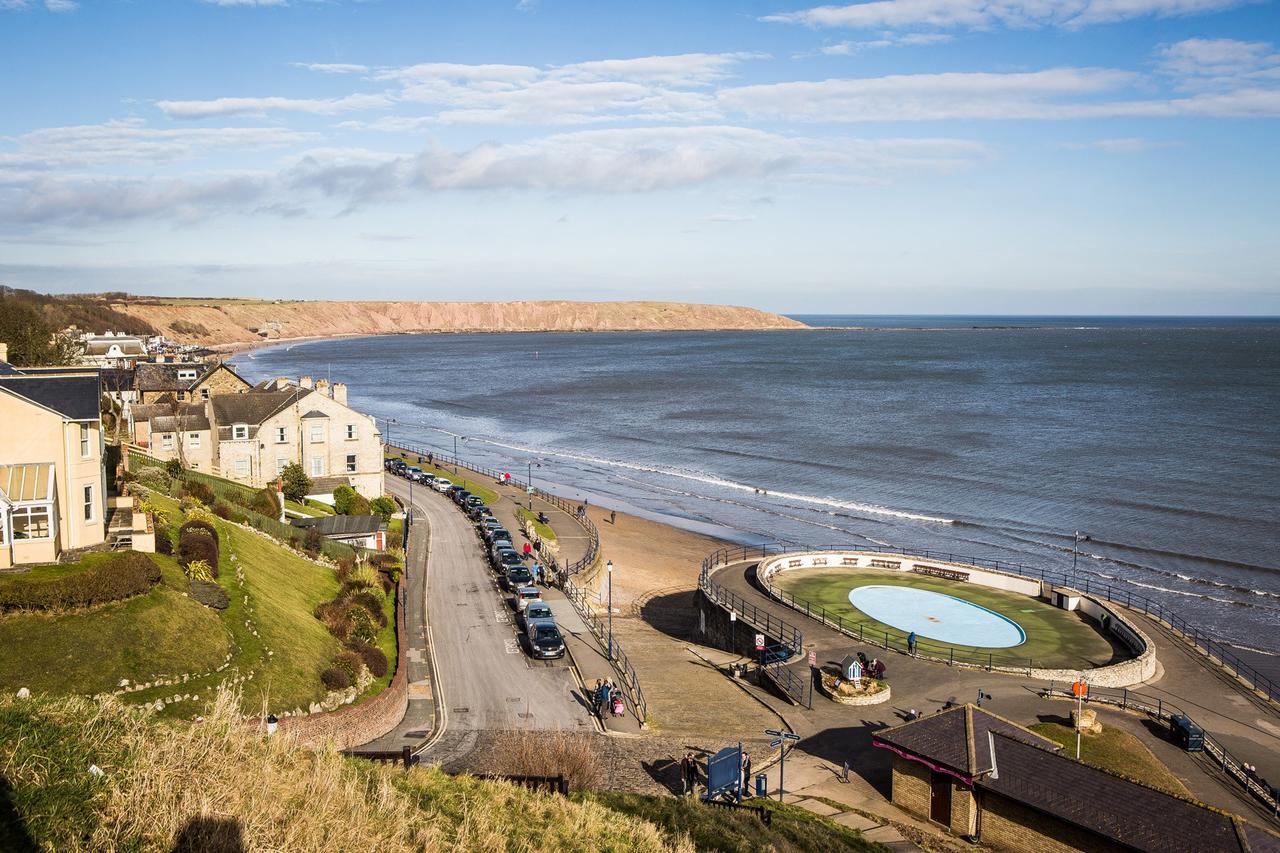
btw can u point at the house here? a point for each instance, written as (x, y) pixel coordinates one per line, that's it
(113, 350)
(171, 430)
(118, 384)
(185, 381)
(257, 433)
(52, 471)
(358, 531)
(989, 779)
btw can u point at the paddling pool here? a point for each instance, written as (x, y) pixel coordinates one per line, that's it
(938, 617)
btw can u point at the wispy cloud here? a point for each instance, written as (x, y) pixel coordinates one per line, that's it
(992, 14)
(1220, 59)
(261, 106)
(49, 5)
(1122, 145)
(887, 39)
(332, 67)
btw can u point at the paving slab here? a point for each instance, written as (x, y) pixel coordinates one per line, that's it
(818, 807)
(853, 820)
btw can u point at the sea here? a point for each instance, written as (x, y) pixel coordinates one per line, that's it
(1158, 439)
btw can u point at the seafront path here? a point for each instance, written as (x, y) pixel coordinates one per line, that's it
(1248, 725)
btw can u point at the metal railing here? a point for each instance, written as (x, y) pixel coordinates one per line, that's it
(786, 680)
(784, 632)
(1161, 710)
(1212, 648)
(579, 597)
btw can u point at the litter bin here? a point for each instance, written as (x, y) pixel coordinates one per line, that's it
(762, 785)
(1186, 733)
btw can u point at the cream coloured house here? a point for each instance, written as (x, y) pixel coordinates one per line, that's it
(52, 474)
(258, 432)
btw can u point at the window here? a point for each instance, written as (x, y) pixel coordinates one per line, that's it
(85, 434)
(88, 503)
(166, 441)
(317, 466)
(242, 467)
(204, 393)
(182, 395)
(280, 463)
(31, 522)
(3, 534)
(240, 431)
(193, 440)
(351, 463)
(351, 430)
(187, 375)
(317, 432)
(282, 435)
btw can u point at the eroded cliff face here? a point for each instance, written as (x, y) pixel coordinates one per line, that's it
(215, 322)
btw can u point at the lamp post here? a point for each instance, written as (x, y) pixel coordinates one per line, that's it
(528, 484)
(1075, 552)
(609, 569)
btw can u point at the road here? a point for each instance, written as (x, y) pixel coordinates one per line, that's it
(485, 682)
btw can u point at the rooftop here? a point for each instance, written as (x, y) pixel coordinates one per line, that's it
(76, 396)
(957, 738)
(252, 407)
(341, 525)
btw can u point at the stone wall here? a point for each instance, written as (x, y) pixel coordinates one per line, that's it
(1007, 825)
(911, 786)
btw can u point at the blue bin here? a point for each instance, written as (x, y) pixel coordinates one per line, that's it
(762, 785)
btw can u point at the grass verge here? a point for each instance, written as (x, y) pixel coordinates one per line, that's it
(462, 477)
(540, 527)
(1117, 751)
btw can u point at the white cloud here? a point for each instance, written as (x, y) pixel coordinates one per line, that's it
(332, 67)
(1122, 145)
(1216, 58)
(990, 14)
(50, 5)
(888, 39)
(260, 106)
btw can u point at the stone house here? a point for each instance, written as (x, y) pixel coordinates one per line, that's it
(990, 780)
(258, 432)
(52, 470)
(170, 430)
(185, 381)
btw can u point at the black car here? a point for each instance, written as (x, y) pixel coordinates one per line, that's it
(516, 577)
(493, 534)
(477, 512)
(474, 501)
(498, 558)
(545, 642)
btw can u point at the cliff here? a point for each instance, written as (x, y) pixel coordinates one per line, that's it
(212, 322)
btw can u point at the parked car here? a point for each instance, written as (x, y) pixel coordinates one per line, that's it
(476, 512)
(545, 642)
(522, 596)
(515, 577)
(535, 612)
(491, 522)
(442, 484)
(494, 534)
(452, 490)
(460, 497)
(474, 501)
(500, 557)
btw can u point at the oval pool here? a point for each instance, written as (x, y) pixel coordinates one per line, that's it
(938, 617)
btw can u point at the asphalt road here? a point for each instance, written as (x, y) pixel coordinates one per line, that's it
(485, 680)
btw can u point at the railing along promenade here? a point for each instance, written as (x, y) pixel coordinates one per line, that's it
(1161, 710)
(1213, 649)
(581, 597)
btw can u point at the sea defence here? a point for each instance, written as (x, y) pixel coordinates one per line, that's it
(1104, 614)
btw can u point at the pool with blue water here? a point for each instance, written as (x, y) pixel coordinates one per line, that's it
(939, 617)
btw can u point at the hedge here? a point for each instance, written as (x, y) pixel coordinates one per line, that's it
(194, 545)
(111, 579)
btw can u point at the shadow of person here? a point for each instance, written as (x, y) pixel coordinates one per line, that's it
(205, 834)
(665, 772)
(13, 830)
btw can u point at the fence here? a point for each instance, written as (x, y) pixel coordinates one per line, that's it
(580, 598)
(1161, 710)
(544, 784)
(784, 632)
(765, 816)
(1211, 648)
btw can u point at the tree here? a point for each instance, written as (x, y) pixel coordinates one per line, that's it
(383, 507)
(296, 482)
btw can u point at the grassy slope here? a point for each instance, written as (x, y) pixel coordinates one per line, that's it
(89, 651)
(793, 828)
(1055, 638)
(543, 530)
(162, 778)
(1118, 751)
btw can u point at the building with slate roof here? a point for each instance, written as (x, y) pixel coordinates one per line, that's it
(991, 780)
(52, 469)
(360, 531)
(185, 381)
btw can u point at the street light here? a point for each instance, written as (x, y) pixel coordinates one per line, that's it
(529, 483)
(608, 566)
(1075, 551)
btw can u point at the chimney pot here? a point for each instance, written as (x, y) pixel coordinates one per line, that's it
(4, 352)
(305, 382)
(322, 387)
(340, 392)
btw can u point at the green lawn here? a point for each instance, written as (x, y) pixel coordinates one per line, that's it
(1117, 751)
(543, 530)
(310, 508)
(484, 492)
(1055, 637)
(89, 651)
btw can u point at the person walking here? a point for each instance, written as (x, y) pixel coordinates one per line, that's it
(431, 459)
(602, 698)
(596, 693)
(911, 644)
(613, 517)
(746, 774)
(688, 774)
(528, 550)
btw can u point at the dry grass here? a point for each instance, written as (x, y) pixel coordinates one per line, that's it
(180, 783)
(576, 757)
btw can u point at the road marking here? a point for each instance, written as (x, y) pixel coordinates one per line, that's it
(513, 648)
(501, 617)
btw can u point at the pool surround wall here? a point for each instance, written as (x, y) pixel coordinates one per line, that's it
(1140, 668)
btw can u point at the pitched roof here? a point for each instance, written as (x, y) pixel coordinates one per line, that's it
(252, 407)
(185, 422)
(957, 738)
(75, 396)
(150, 376)
(1132, 814)
(314, 413)
(342, 525)
(28, 482)
(326, 485)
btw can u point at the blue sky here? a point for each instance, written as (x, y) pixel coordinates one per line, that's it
(894, 156)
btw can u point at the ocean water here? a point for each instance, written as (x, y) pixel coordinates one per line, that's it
(984, 436)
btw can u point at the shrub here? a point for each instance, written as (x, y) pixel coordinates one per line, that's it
(314, 541)
(364, 625)
(335, 679)
(164, 540)
(116, 577)
(372, 602)
(296, 482)
(345, 565)
(364, 575)
(209, 594)
(221, 510)
(202, 492)
(382, 561)
(372, 658)
(383, 507)
(350, 663)
(173, 468)
(155, 478)
(195, 545)
(266, 503)
(198, 570)
(577, 757)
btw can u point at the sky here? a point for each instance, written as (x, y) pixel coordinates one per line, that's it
(891, 156)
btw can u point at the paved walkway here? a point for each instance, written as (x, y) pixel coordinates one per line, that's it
(1248, 726)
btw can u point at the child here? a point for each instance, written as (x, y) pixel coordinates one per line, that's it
(618, 706)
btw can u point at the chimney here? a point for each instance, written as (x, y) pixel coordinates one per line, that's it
(4, 352)
(322, 387)
(340, 392)
(304, 381)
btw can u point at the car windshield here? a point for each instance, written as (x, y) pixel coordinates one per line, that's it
(548, 634)
(539, 612)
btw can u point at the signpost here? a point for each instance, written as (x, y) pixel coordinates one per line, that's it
(759, 642)
(780, 739)
(724, 772)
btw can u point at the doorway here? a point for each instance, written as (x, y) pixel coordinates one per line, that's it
(940, 798)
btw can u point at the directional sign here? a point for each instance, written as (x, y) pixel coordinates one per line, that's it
(759, 642)
(775, 743)
(773, 732)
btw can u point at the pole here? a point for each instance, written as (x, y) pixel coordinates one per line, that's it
(455, 454)
(529, 485)
(782, 769)
(609, 567)
(1079, 710)
(1075, 551)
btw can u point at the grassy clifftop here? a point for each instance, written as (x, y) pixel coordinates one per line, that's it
(248, 321)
